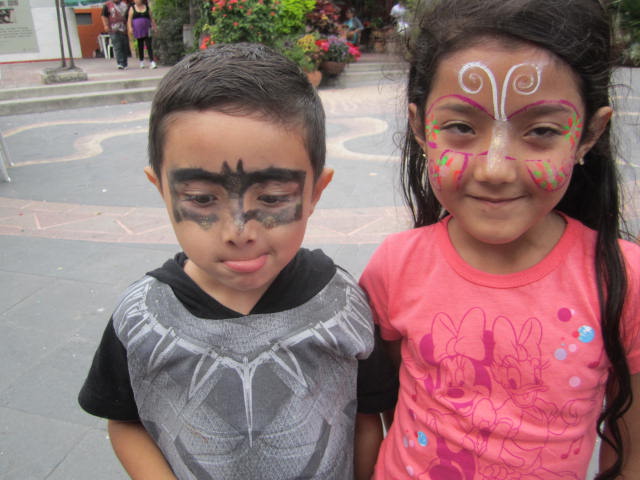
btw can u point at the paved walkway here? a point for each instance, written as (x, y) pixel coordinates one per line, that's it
(79, 222)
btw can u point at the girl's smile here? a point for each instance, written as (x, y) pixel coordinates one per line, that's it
(501, 134)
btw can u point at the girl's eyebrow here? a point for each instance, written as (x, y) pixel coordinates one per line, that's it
(457, 107)
(547, 107)
(457, 104)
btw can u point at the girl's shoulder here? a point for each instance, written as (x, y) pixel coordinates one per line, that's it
(415, 236)
(631, 252)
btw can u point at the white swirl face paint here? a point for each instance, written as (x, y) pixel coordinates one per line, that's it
(501, 101)
(526, 82)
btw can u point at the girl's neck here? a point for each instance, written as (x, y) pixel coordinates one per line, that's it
(513, 257)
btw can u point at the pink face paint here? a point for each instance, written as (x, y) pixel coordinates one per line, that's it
(547, 176)
(450, 165)
(431, 131)
(553, 174)
(573, 129)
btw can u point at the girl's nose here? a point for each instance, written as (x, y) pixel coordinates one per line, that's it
(498, 166)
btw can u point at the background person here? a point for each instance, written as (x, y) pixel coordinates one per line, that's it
(114, 22)
(140, 24)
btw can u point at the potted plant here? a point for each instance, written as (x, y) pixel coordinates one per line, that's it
(303, 51)
(324, 18)
(336, 54)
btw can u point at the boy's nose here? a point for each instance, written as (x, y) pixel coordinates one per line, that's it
(498, 166)
(236, 230)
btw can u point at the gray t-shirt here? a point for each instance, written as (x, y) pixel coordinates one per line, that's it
(263, 396)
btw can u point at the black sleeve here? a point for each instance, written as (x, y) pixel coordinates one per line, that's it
(377, 381)
(107, 390)
(105, 10)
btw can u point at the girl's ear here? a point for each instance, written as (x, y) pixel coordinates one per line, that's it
(595, 128)
(417, 126)
(153, 178)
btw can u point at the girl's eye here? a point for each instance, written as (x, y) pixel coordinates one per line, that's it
(458, 128)
(544, 132)
(201, 200)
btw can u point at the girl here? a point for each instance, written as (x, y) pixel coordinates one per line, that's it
(514, 306)
(140, 24)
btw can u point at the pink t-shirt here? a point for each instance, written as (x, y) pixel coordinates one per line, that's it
(502, 376)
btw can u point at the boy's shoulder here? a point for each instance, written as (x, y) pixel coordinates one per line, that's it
(309, 273)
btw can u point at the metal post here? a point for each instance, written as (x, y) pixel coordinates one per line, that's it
(4, 160)
(66, 29)
(64, 61)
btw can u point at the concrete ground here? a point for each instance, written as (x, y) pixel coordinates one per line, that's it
(79, 222)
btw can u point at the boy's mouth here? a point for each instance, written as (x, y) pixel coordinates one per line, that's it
(246, 266)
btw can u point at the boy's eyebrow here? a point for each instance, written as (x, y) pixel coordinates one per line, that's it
(182, 175)
(239, 180)
(276, 174)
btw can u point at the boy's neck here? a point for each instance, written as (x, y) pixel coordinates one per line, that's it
(239, 301)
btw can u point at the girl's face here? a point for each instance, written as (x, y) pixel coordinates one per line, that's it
(502, 131)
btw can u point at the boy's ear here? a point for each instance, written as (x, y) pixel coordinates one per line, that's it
(596, 127)
(320, 184)
(153, 178)
(416, 126)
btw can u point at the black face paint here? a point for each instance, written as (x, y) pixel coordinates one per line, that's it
(246, 196)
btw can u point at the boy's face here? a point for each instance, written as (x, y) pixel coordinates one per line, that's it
(239, 192)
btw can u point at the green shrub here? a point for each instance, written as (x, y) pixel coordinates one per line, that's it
(231, 21)
(291, 16)
(627, 16)
(170, 16)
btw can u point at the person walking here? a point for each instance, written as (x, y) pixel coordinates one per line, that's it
(114, 21)
(140, 23)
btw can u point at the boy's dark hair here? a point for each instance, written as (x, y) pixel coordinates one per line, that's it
(578, 32)
(240, 79)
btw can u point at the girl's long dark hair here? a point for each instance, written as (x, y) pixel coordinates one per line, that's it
(579, 33)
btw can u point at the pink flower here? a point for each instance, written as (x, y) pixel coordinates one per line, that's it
(235, 24)
(206, 41)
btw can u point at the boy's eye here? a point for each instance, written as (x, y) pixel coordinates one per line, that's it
(273, 200)
(201, 200)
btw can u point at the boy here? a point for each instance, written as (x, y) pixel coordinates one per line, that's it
(238, 358)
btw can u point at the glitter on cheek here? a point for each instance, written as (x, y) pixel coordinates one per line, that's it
(573, 130)
(548, 176)
(448, 166)
(431, 130)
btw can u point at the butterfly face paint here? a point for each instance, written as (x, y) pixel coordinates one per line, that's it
(502, 124)
(497, 122)
(272, 196)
